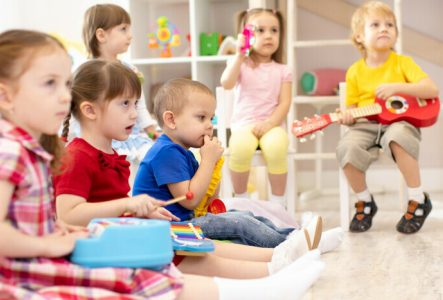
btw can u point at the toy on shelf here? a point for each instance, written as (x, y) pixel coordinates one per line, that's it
(166, 36)
(249, 33)
(322, 82)
(210, 43)
(188, 38)
(228, 46)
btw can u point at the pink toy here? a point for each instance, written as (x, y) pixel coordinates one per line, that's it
(322, 82)
(249, 33)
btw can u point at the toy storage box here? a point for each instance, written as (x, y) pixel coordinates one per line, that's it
(125, 242)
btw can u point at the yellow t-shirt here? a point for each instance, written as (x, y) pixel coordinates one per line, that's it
(362, 80)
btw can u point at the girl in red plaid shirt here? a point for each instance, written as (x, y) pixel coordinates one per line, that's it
(34, 98)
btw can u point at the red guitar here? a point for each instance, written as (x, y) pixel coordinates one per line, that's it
(419, 112)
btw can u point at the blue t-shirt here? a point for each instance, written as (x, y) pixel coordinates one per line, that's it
(165, 163)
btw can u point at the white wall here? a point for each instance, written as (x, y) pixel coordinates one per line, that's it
(64, 17)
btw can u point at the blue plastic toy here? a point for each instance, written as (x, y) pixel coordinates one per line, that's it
(125, 242)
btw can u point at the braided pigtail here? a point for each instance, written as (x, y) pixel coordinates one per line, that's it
(66, 122)
(53, 145)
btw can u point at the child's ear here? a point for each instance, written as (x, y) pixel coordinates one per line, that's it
(100, 34)
(169, 119)
(5, 98)
(89, 110)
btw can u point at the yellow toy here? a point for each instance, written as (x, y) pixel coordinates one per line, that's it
(202, 208)
(166, 36)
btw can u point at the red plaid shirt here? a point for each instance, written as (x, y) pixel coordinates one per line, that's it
(25, 164)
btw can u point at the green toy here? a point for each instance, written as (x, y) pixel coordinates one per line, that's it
(209, 43)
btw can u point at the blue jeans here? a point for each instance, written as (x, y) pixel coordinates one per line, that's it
(242, 227)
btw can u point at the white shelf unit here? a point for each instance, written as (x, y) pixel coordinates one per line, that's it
(190, 17)
(317, 102)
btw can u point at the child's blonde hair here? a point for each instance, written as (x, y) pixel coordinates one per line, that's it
(174, 95)
(361, 14)
(18, 49)
(100, 80)
(244, 16)
(101, 16)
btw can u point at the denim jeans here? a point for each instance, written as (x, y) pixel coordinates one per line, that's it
(242, 227)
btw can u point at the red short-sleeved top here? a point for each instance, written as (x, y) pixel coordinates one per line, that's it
(92, 174)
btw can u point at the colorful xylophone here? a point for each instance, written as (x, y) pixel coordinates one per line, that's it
(186, 230)
(188, 239)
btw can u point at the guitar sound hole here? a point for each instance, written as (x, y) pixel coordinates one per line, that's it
(396, 104)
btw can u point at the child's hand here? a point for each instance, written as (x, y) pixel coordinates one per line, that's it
(261, 128)
(346, 117)
(60, 244)
(240, 44)
(386, 90)
(162, 214)
(66, 228)
(211, 150)
(141, 206)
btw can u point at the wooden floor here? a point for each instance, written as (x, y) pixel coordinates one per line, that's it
(381, 263)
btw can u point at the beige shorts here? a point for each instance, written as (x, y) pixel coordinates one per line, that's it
(361, 143)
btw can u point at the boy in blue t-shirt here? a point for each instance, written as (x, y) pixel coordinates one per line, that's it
(184, 109)
(170, 169)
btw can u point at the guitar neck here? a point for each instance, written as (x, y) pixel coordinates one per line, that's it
(359, 112)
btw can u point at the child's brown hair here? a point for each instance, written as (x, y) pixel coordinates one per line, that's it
(174, 95)
(359, 18)
(100, 80)
(101, 16)
(244, 16)
(18, 49)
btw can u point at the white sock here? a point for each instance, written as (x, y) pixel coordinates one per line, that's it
(416, 194)
(242, 195)
(290, 283)
(284, 254)
(331, 239)
(277, 199)
(364, 196)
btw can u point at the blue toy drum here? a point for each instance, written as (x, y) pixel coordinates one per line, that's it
(125, 243)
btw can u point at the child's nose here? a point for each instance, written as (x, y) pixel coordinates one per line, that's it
(133, 114)
(66, 95)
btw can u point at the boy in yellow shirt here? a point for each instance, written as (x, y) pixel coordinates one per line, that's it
(382, 73)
